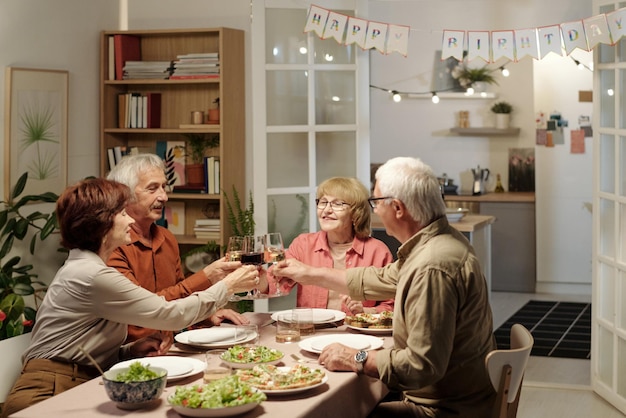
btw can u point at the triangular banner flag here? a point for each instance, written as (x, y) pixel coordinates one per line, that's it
(549, 40)
(316, 20)
(453, 44)
(478, 45)
(526, 43)
(376, 36)
(597, 31)
(573, 36)
(502, 45)
(617, 24)
(398, 39)
(357, 29)
(335, 26)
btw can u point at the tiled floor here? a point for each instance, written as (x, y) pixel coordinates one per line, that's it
(553, 387)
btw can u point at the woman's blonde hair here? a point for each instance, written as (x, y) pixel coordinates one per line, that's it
(353, 192)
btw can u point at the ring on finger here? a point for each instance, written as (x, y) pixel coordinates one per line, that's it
(256, 280)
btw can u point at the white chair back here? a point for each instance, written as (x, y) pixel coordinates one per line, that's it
(11, 364)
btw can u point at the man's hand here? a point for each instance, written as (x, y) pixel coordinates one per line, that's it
(228, 314)
(157, 344)
(294, 270)
(337, 357)
(354, 306)
(218, 269)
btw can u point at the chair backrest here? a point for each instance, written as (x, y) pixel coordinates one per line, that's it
(11, 364)
(506, 370)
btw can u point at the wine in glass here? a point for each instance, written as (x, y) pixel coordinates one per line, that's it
(253, 247)
(235, 248)
(274, 252)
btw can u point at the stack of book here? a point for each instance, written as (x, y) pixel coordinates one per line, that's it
(208, 229)
(191, 66)
(138, 70)
(136, 110)
(212, 175)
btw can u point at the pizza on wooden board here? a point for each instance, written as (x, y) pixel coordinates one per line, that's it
(270, 377)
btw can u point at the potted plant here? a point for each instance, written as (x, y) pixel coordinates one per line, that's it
(214, 114)
(475, 77)
(197, 144)
(503, 111)
(16, 280)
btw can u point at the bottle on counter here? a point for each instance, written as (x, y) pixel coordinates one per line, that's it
(499, 188)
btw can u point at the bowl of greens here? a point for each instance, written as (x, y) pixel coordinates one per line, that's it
(220, 398)
(136, 386)
(248, 356)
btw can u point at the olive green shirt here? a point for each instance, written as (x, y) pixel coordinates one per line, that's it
(442, 326)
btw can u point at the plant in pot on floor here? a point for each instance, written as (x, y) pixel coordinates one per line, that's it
(503, 114)
(18, 280)
(197, 144)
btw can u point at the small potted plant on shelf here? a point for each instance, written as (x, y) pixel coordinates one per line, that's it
(197, 144)
(503, 111)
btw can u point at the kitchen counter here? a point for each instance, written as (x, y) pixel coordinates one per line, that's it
(469, 223)
(506, 197)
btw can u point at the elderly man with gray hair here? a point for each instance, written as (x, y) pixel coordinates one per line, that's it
(442, 323)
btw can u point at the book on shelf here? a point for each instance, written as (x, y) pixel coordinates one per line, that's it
(136, 110)
(207, 222)
(116, 153)
(111, 158)
(208, 235)
(185, 188)
(136, 70)
(198, 55)
(212, 176)
(193, 76)
(153, 110)
(127, 48)
(111, 51)
(175, 215)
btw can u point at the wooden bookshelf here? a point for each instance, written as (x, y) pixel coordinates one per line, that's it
(179, 99)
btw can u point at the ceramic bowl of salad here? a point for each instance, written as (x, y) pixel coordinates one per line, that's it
(248, 356)
(136, 386)
(220, 398)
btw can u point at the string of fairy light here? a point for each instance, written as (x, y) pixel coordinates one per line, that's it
(397, 95)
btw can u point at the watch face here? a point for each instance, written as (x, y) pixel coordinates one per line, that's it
(361, 356)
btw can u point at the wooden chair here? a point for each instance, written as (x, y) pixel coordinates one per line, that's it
(506, 371)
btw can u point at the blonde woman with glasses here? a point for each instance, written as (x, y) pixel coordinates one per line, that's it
(344, 241)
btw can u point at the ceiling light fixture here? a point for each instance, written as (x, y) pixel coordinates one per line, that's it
(435, 98)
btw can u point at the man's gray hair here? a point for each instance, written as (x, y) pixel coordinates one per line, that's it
(128, 169)
(415, 184)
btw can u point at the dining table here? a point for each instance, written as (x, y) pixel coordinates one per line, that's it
(345, 394)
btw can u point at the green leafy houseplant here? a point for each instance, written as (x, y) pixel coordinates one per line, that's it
(17, 281)
(467, 76)
(501, 107)
(198, 143)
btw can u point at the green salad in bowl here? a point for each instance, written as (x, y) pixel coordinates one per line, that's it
(248, 356)
(229, 395)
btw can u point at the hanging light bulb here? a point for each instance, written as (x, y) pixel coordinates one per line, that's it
(469, 91)
(610, 92)
(505, 71)
(396, 96)
(435, 98)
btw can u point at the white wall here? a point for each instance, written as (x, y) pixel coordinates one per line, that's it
(64, 35)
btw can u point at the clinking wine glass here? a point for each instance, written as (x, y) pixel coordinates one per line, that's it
(274, 252)
(253, 251)
(234, 250)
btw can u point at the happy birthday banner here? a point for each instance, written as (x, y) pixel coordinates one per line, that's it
(606, 28)
(348, 30)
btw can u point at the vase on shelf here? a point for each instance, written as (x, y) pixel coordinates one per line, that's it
(503, 120)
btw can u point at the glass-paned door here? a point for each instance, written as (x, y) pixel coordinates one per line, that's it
(608, 347)
(310, 114)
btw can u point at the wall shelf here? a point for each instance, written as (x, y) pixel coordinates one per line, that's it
(454, 95)
(485, 131)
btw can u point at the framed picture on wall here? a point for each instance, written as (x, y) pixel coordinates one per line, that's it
(36, 106)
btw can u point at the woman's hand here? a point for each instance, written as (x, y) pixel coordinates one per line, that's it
(243, 279)
(294, 270)
(218, 269)
(228, 315)
(354, 306)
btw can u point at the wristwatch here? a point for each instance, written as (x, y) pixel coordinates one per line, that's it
(360, 358)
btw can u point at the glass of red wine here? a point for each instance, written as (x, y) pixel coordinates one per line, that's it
(253, 253)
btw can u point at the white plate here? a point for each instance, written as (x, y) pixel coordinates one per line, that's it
(359, 342)
(215, 412)
(183, 338)
(320, 316)
(295, 390)
(455, 215)
(374, 331)
(212, 335)
(177, 367)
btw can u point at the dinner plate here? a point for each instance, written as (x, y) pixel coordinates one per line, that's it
(320, 316)
(183, 338)
(373, 331)
(360, 342)
(177, 367)
(215, 412)
(294, 390)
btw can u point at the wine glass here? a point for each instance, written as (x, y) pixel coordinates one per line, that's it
(235, 248)
(253, 250)
(274, 252)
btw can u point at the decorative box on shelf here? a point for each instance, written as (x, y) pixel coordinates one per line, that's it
(485, 131)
